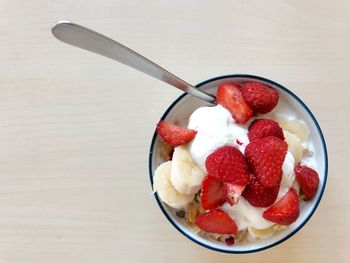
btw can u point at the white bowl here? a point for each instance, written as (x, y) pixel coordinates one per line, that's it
(180, 110)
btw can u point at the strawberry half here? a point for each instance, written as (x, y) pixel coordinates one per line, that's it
(258, 195)
(265, 158)
(212, 195)
(264, 127)
(232, 192)
(173, 134)
(229, 96)
(228, 164)
(260, 97)
(308, 180)
(216, 221)
(286, 210)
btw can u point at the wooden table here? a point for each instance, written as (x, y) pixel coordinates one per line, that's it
(75, 128)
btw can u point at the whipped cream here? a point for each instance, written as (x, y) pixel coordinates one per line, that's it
(216, 128)
(246, 215)
(288, 176)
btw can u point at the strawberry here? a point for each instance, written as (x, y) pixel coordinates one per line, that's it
(216, 221)
(229, 96)
(232, 192)
(228, 164)
(260, 97)
(265, 158)
(258, 195)
(174, 135)
(212, 195)
(308, 180)
(286, 210)
(264, 127)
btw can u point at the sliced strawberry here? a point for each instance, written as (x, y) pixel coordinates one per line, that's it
(260, 97)
(258, 195)
(212, 195)
(286, 210)
(265, 158)
(264, 127)
(229, 96)
(232, 192)
(228, 164)
(173, 134)
(308, 180)
(216, 221)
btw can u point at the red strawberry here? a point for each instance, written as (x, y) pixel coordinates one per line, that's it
(264, 127)
(232, 192)
(308, 180)
(229, 165)
(258, 195)
(229, 95)
(216, 221)
(174, 135)
(212, 195)
(260, 97)
(265, 158)
(286, 210)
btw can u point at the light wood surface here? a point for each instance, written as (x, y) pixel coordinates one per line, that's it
(75, 128)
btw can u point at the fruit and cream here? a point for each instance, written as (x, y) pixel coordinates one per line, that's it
(243, 173)
(215, 128)
(246, 215)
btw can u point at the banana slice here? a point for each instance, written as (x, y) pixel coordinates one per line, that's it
(166, 191)
(294, 145)
(262, 233)
(295, 126)
(185, 175)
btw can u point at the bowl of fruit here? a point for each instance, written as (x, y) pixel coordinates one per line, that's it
(242, 175)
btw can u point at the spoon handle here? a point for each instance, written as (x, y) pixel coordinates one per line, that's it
(90, 40)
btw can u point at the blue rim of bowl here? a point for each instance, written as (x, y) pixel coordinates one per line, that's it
(317, 201)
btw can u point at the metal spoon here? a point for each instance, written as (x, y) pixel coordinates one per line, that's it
(90, 40)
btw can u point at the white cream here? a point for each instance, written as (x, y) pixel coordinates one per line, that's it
(216, 128)
(288, 177)
(246, 215)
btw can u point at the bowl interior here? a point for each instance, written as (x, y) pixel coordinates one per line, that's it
(289, 106)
